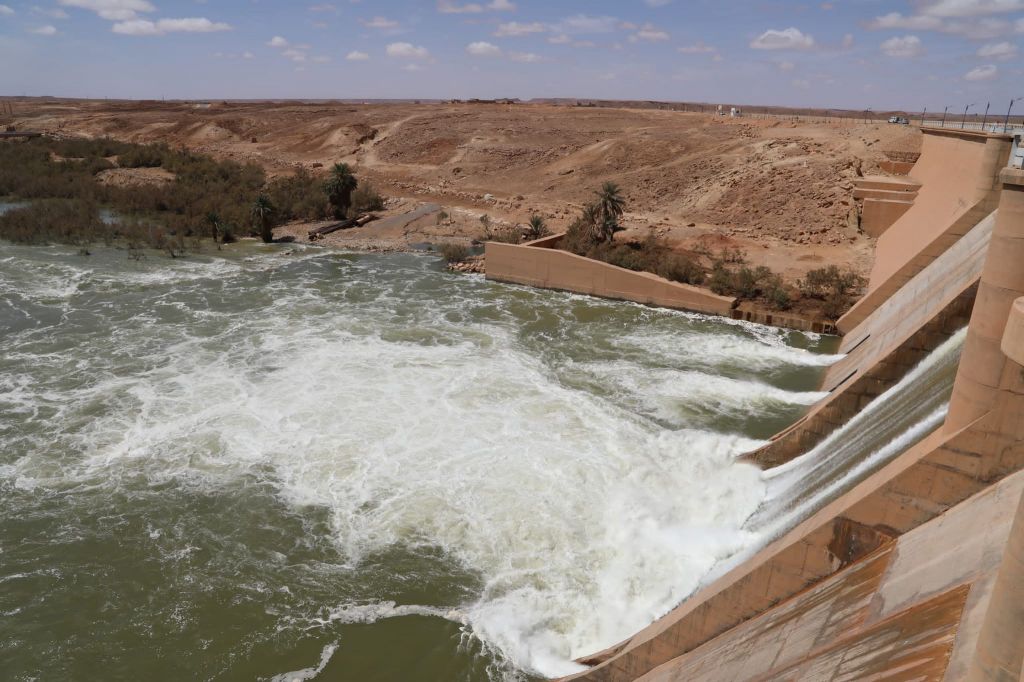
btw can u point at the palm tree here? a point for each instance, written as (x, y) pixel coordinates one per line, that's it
(339, 188)
(538, 228)
(592, 223)
(213, 220)
(262, 212)
(610, 206)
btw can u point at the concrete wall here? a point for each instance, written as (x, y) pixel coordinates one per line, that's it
(550, 268)
(959, 176)
(896, 167)
(916, 572)
(1002, 282)
(541, 264)
(936, 303)
(1013, 338)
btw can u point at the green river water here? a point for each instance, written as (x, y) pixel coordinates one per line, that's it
(285, 463)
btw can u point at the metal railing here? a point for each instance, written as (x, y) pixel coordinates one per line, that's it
(989, 127)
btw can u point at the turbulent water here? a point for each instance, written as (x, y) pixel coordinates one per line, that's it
(272, 466)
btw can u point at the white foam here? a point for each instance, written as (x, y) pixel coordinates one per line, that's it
(308, 673)
(763, 351)
(584, 521)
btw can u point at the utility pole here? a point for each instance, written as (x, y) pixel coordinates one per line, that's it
(985, 117)
(944, 116)
(923, 116)
(964, 119)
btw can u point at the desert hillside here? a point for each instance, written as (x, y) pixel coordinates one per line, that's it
(777, 185)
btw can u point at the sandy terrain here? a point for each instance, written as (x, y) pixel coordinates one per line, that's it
(780, 189)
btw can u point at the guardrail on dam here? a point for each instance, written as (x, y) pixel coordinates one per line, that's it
(915, 570)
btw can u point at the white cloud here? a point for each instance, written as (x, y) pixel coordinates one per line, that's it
(514, 28)
(144, 27)
(697, 48)
(649, 33)
(324, 7)
(449, 7)
(525, 57)
(294, 55)
(382, 23)
(583, 23)
(278, 41)
(483, 49)
(248, 55)
(800, 83)
(906, 46)
(982, 73)
(972, 28)
(357, 56)
(413, 67)
(786, 39)
(848, 41)
(897, 20)
(407, 51)
(1001, 50)
(5, 10)
(52, 12)
(786, 66)
(44, 30)
(971, 8)
(112, 10)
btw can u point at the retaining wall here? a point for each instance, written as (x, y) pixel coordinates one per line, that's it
(539, 265)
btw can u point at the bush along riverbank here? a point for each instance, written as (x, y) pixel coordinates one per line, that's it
(83, 192)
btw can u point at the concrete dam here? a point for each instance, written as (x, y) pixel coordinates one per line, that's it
(895, 506)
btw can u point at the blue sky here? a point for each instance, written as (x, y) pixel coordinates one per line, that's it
(899, 54)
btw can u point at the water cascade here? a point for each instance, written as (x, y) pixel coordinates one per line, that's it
(886, 427)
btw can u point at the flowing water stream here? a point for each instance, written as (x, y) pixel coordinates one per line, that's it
(271, 466)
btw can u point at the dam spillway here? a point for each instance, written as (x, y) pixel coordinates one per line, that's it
(911, 568)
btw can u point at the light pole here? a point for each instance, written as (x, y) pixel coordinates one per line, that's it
(985, 117)
(944, 116)
(964, 119)
(1006, 121)
(924, 114)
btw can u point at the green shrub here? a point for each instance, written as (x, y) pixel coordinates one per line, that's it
(364, 199)
(778, 296)
(679, 268)
(511, 236)
(750, 284)
(298, 197)
(63, 221)
(836, 288)
(578, 238)
(143, 156)
(452, 252)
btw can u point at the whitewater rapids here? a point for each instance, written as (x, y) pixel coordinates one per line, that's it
(569, 463)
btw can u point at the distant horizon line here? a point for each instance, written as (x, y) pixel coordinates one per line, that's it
(873, 111)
